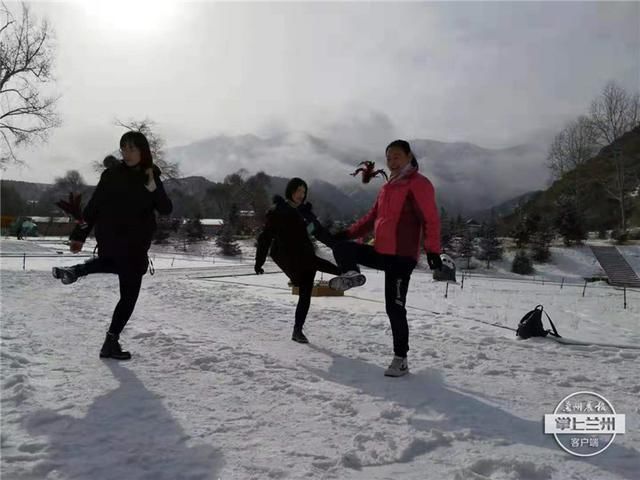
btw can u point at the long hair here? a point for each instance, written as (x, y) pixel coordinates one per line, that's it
(293, 185)
(138, 140)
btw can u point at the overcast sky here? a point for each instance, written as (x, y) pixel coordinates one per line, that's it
(494, 74)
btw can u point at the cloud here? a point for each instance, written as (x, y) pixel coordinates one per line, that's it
(355, 74)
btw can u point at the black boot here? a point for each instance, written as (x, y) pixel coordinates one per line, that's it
(298, 336)
(111, 348)
(68, 274)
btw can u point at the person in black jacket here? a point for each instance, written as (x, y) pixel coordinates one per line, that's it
(122, 210)
(286, 238)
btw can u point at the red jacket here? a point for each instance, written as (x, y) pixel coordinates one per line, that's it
(404, 215)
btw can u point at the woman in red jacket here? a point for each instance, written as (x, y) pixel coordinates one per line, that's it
(404, 216)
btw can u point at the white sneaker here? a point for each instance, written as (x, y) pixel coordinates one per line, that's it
(347, 280)
(399, 367)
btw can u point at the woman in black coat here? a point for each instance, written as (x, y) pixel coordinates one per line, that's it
(122, 210)
(286, 238)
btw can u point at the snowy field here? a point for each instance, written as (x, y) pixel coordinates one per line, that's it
(217, 390)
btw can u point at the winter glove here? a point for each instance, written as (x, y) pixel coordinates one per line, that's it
(75, 246)
(434, 261)
(72, 207)
(258, 270)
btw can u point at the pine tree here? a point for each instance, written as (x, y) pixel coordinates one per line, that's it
(226, 243)
(194, 229)
(520, 234)
(466, 248)
(490, 246)
(458, 226)
(527, 226)
(569, 222)
(540, 243)
(233, 219)
(446, 233)
(522, 264)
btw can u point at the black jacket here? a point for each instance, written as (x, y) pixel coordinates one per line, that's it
(285, 237)
(122, 210)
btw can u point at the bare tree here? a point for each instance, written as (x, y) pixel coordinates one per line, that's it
(572, 147)
(156, 144)
(620, 179)
(72, 181)
(26, 64)
(614, 112)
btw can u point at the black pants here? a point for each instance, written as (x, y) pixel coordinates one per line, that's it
(304, 282)
(397, 271)
(130, 272)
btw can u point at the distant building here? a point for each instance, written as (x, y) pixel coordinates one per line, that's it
(53, 226)
(473, 227)
(210, 226)
(248, 219)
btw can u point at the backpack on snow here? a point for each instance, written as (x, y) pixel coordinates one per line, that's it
(531, 325)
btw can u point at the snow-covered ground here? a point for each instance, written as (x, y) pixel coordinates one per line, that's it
(217, 390)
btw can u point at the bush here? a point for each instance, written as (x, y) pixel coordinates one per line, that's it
(619, 236)
(522, 264)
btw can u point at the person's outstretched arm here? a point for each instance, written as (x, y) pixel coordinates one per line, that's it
(90, 215)
(264, 243)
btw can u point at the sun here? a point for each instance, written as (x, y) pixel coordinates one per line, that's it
(131, 17)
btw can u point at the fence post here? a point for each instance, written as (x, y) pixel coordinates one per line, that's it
(462, 282)
(24, 261)
(446, 292)
(562, 284)
(173, 260)
(585, 287)
(625, 297)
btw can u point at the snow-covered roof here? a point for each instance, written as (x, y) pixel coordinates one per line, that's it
(50, 219)
(212, 221)
(206, 221)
